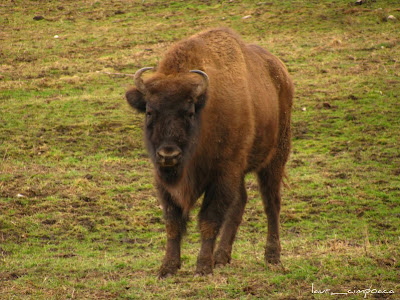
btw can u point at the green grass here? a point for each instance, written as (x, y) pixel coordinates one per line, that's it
(79, 216)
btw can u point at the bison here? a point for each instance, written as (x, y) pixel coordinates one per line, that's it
(215, 109)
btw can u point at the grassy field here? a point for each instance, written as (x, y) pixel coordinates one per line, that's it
(79, 218)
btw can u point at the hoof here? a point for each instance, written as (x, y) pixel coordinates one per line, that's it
(168, 269)
(204, 267)
(273, 254)
(202, 271)
(274, 260)
(221, 258)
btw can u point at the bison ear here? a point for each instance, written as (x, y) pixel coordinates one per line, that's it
(136, 99)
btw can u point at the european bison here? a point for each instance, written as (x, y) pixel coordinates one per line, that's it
(216, 108)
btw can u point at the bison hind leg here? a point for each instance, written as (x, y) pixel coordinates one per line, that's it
(222, 207)
(222, 255)
(269, 180)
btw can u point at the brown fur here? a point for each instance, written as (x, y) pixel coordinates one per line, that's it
(243, 127)
(208, 230)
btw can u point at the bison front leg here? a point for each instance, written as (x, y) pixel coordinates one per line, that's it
(175, 223)
(217, 199)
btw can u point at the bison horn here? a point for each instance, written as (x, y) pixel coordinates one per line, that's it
(139, 81)
(202, 87)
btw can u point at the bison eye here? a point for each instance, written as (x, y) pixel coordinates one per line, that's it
(190, 115)
(149, 118)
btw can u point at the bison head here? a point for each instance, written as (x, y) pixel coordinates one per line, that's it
(173, 105)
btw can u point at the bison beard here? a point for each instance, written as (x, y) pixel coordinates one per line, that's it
(216, 108)
(169, 175)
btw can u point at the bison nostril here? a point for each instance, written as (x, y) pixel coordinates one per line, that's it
(168, 157)
(164, 154)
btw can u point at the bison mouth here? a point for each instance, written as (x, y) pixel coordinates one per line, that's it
(168, 161)
(170, 174)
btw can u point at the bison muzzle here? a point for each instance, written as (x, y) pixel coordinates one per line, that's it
(215, 109)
